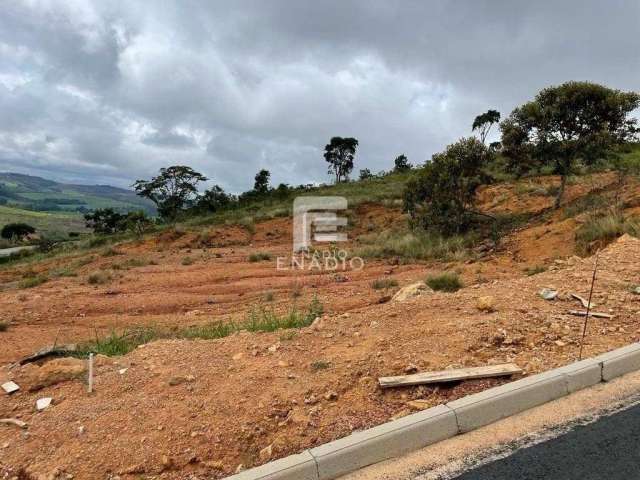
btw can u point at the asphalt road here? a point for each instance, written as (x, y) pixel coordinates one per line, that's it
(607, 449)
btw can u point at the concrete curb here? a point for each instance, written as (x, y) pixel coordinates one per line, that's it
(391, 439)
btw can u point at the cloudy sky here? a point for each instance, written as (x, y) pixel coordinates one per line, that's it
(108, 92)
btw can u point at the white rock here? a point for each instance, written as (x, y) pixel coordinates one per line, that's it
(43, 403)
(548, 294)
(10, 387)
(122, 371)
(411, 291)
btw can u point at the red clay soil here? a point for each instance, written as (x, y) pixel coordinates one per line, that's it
(200, 409)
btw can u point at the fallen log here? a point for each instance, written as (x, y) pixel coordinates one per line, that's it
(583, 313)
(450, 375)
(50, 351)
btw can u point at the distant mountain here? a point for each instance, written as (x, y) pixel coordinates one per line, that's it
(38, 194)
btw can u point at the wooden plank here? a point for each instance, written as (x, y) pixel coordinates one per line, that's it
(583, 301)
(450, 375)
(583, 313)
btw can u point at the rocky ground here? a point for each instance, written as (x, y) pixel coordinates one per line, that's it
(180, 409)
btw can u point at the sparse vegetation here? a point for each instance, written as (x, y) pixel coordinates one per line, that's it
(34, 281)
(258, 320)
(187, 261)
(99, 278)
(445, 282)
(268, 297)
(318, 365)
(601, 229)
(534, 270)
(259, 257)
(384, 283)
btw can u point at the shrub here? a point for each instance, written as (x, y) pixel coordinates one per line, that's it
(534, 270)
(187, 261)
(445, 282)
(319, 365)
(442, 195)
(98, 278)
(260, 256)
(384, 283)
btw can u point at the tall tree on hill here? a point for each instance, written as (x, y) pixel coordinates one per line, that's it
(172, 190)
(484, 122)
(339, 153)
(568, 125)
(261, 184)
(401, 164)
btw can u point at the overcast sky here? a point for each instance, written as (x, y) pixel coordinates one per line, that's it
(109, 91)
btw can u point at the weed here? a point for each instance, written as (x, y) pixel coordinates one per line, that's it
(445, 282)
(601, 229)
(260, 256)
(268, 297)
(33, 281)
(111, 252)
(187, 261)
(589, 202)
(384, 283)
(98, 278)
(319, 365)
(209, 331)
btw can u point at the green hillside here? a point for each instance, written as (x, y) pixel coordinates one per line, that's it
(43, 221)
(27, 192)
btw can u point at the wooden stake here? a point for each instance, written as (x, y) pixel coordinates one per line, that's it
(586, 316)
(90, 382)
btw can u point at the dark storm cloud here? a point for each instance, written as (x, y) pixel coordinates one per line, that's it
(111, 91)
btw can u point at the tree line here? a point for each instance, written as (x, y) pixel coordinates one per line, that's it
(562, 129)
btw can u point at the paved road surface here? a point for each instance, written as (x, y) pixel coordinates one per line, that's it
(608, 449)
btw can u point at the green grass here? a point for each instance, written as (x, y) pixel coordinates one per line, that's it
(257, 320)
(43, 221)
(31, 282)
(408, 245)
(384, 283)
(601, 229)
(445, 282)
(590, 202)
(259, 257)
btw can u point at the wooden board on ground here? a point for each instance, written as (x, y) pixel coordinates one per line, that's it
(442, 376)
(581, 313)
(50, 351)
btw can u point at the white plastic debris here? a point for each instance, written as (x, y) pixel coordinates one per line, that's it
(43, 403)
(548, 293)
(122, 371)
(10, 387)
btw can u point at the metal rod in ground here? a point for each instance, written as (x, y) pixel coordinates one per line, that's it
(90, 380)
(586, 317)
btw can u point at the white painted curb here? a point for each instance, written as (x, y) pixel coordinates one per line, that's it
(391, 439)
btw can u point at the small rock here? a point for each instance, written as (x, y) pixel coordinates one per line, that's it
(10, 387)
(411, 368)
(122, 371)
(318, 324)
(238, 356)
(486, 304)
(43, 403)
(410, 291)
(418, 404)
(331, 395)
(274, 348)
(548, 293)
(282, 363)
(215, 465)
(560, 343)
(239, 468)
(311, 400)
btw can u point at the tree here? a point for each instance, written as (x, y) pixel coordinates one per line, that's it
(442, 195)
(365, 174)
(261, 184)
(339, 153)
(172, 190)
(214, 199)
(567, 124)
(136, 222)
(484, 122)
(401, 164)
(105, 221)
(17, 231)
